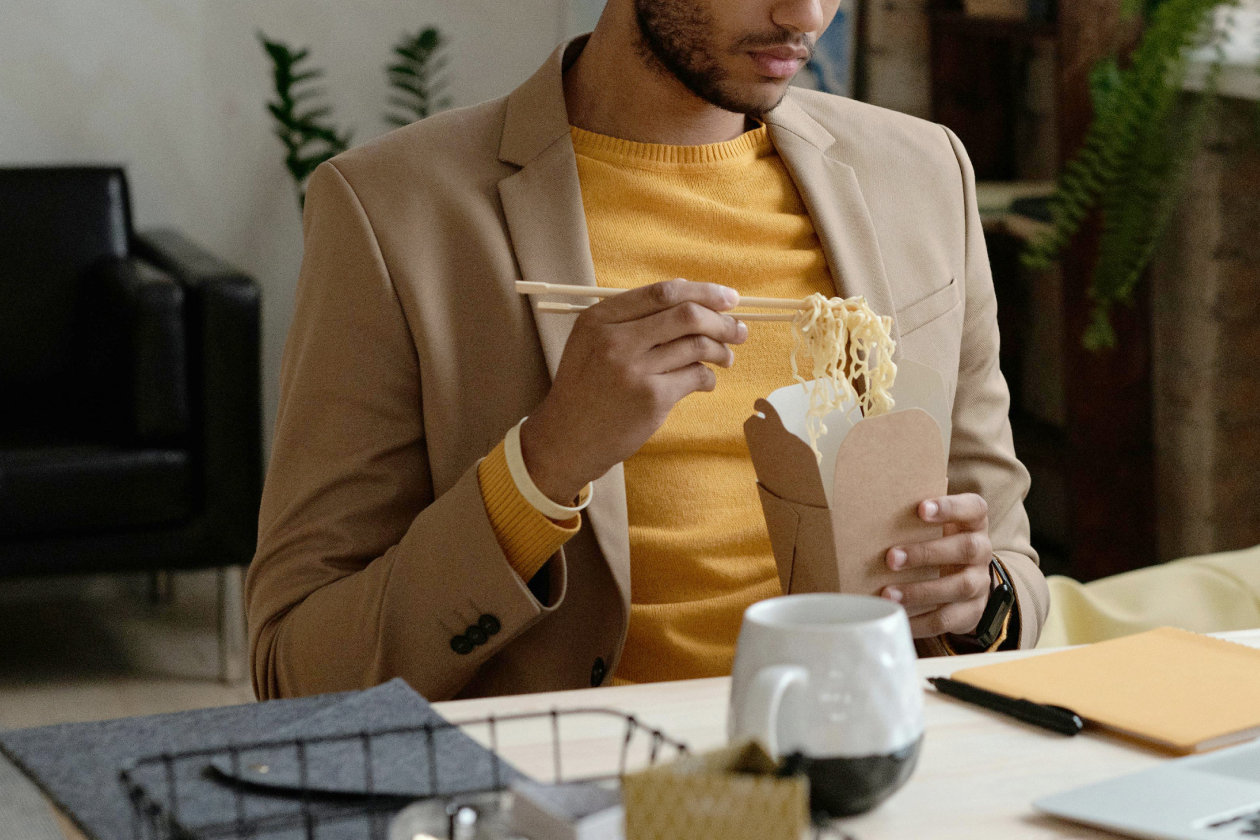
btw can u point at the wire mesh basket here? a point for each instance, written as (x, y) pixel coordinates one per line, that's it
(351, 785)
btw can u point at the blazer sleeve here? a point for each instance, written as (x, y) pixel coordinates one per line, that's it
(361, 574)
(982, 453)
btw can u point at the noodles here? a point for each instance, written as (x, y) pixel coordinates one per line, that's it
(851, 349)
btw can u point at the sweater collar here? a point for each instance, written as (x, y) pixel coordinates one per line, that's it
(537, 117)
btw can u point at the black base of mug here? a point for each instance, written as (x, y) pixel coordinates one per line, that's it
(843, 787)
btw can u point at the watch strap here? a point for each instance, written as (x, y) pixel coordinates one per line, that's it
(998, 608)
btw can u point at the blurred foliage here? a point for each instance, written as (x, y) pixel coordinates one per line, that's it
(301, 122)
(1135, 157)
(302, 115)
(416, 76)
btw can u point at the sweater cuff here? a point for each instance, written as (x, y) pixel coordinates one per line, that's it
(527, 537)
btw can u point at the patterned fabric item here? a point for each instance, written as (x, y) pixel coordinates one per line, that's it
(730, 793)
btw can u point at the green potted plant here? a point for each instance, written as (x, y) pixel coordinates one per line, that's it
(303, 117)
(416, 77)
(1133, 162)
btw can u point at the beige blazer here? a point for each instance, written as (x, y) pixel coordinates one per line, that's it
(411, 355)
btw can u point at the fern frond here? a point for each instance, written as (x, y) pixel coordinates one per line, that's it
(308, 138)
(1132, 162)
(415, 75)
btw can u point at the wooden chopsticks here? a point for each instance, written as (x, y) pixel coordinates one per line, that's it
(548, 306)
(526, 287)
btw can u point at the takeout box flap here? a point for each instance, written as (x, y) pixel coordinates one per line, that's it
(800, 531)
(785, 464)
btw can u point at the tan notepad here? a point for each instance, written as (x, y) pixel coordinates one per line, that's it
(1180, 690)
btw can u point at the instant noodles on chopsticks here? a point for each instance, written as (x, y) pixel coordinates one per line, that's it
(850, 347)
(843, 458)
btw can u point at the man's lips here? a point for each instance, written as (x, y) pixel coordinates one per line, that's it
(779, 62)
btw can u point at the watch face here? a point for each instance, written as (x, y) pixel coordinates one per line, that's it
(1001, 599)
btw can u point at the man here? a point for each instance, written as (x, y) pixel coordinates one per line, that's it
(413, 525)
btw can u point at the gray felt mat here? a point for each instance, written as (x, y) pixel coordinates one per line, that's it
(409, 764)
(24, 812)
(78, 766)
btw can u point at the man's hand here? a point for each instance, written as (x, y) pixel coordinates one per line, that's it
(629, 359)
(954, 602)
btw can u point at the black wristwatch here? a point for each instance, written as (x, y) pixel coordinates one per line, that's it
(1001, 600)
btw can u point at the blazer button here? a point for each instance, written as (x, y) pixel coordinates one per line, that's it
(598, 672)
(461, 645)
(489, 623)
(476, 635)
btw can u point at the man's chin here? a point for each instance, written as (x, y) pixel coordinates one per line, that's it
(757, 99)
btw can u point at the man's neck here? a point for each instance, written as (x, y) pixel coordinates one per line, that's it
(610, 89)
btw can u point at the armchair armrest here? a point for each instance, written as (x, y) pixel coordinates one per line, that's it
(133, 345)
(224, 353)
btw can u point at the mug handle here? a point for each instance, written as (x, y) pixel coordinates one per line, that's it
(759, 715)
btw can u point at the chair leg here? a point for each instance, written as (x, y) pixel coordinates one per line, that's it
(224, 657)
(161, 586)
(233, 633)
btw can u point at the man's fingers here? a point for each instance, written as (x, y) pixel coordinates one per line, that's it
(959, 618)
(694, 377)
(686, 319)
(658, 297)
(967, 509)
(969, 584)
(965, 549)
(687, 350)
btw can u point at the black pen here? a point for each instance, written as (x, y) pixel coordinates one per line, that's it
(1055, 718)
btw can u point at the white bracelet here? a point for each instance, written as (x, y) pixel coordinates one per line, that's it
(526, 486)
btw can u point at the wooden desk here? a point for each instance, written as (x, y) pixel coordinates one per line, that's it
(976, 777)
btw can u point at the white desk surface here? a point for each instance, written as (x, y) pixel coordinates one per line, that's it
(976, 776)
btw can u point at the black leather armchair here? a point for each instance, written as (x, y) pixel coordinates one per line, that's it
(129, 368)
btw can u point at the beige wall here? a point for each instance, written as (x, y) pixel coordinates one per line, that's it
(174, 89)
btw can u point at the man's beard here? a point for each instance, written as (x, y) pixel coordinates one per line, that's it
(678, 38)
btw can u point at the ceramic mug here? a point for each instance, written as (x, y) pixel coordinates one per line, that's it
(828, 682)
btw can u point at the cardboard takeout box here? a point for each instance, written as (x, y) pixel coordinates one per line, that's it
(831, 524)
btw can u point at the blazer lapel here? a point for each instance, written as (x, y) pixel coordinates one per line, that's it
(542, 204)
(836, 206)
(543, 207)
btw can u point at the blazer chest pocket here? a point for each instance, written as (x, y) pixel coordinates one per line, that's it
(925, 311)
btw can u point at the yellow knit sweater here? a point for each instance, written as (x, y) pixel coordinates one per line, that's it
(724, 213)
